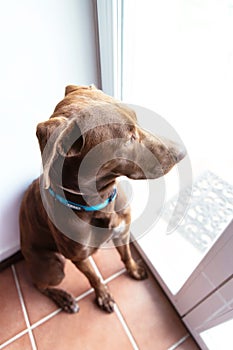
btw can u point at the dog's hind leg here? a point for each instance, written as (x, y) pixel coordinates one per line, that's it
(63, 299)
(47, 269)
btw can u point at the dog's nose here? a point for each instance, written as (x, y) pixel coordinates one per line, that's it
(180, 153)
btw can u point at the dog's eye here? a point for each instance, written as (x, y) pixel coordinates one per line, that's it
(131, 140)
(133, 137)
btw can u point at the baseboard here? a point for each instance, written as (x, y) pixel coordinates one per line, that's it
(11, 260)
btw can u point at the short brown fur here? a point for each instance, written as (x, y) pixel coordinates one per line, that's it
(43, 245)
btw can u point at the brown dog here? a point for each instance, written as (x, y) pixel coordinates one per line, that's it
(73, 208)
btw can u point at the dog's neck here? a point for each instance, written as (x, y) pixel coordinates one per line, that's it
(80, 207)
(88, 198)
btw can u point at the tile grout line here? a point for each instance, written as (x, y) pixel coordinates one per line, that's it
(115, 275)
(97, 271)
(54, 313)
(125, 327)
(31, 336)
(51, 315)
(181, 341)
(15, 337)
(45, 319)
(119, 314)
(80, 297)
(42, 320)
(85, 294)
(116, 309)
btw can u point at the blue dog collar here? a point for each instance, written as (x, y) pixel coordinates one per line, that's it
(79, 207)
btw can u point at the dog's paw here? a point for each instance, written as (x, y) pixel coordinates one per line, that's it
(70, 306)
(105, 302)
(63, 299)
(138, 272)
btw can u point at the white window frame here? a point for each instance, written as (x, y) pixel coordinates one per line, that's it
(110, 20)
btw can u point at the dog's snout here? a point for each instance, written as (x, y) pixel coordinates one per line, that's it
(180, 153)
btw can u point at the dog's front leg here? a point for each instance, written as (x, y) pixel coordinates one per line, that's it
(103, 296)
(135, 270)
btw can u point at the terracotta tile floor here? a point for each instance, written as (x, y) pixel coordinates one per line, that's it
(143, 319)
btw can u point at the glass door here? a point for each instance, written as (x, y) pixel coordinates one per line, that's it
(178, 62)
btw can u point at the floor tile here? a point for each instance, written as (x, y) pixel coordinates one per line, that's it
(23, 343)
(109, 262)
(39, 305)
(12, 319)
(75, 282)
(149, 315)
(189, 344)
(90, 329)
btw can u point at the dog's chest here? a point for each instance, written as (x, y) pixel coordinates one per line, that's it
(115, 224)
(118, 230)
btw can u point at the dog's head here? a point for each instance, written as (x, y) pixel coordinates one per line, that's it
(92, 136)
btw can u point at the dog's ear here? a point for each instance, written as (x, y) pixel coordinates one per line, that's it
(61, 137)
(70, 88)
(71, 140)
(45, 129)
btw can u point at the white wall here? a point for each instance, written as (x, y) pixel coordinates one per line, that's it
(45, 45)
